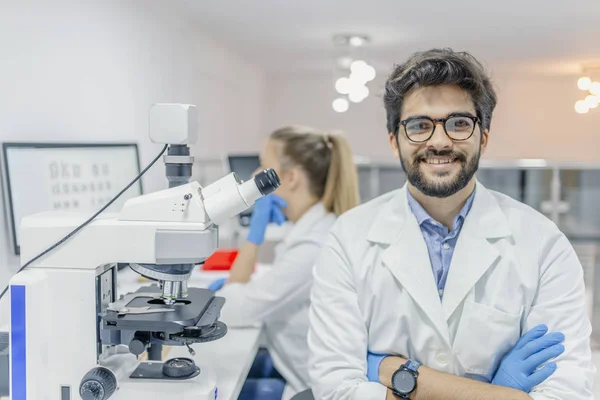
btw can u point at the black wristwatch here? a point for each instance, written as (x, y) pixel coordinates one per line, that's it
(404, 380)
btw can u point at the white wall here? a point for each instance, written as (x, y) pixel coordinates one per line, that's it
(88, 71)
(534, 118)
(306, 100)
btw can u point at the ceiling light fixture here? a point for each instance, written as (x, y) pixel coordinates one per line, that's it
(340, 105)
(343, 85)
(584, 83)
(587, 83)
(352, 72)
(581, 107)
(358, 94)
(352, 40)
(592, 101)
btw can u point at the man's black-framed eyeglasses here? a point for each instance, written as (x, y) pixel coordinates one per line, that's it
(458, 127)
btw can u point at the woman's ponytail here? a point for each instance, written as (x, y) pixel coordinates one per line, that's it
(341, 188)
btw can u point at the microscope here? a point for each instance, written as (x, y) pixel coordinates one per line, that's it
(73, 336)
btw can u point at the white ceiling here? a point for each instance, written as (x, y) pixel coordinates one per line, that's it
(547, 36)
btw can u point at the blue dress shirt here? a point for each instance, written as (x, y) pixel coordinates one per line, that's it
(440, 241)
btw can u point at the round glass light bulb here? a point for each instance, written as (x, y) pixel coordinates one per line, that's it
(584, 83)
(581, 107)
(340, 105)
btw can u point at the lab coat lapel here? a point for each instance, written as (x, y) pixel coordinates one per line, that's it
(474, 255)
(407, 258)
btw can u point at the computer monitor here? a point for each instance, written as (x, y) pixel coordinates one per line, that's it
(66, 176)
(244, 166)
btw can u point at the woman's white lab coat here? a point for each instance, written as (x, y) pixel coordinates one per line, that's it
(374, 289)
(280, 298)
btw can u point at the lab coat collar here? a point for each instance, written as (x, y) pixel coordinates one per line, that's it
(487, 219)
(305, 224)
(407, 256)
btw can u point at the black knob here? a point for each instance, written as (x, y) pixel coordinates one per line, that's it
(138, 344)
(267, 181)
(98, 384)
(179, 367)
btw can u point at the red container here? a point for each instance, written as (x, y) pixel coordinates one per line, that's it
(221, 260)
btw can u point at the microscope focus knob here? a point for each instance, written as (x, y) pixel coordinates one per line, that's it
(179, 368)
(98, 384)
(138, 344)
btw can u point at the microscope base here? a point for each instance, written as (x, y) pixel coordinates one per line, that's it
(201, 387)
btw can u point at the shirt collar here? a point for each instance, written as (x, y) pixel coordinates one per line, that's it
(423, 216)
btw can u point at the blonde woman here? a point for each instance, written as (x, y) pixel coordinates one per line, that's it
(318, 183)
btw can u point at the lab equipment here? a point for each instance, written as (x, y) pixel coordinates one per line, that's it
(221, 260)
(244, 165)
(519, 368)
(267, 210)
(65, 176)
(68, 298)
(3, 364)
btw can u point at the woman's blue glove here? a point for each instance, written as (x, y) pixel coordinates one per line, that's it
(373, 362)
(518, 368)
(217, 284)
(267, 210)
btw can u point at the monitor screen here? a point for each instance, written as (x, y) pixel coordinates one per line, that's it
(55, 176)
(243, 165)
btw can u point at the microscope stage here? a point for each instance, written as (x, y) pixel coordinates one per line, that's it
(144, 310)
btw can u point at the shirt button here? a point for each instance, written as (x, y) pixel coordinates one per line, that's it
(442, 358)
(446, 246)
(441, 292)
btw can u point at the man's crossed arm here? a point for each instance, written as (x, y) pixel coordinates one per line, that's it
(517, 374)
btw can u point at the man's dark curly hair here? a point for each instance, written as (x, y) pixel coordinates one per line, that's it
(439, 67)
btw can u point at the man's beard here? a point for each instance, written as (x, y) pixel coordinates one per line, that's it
(417, 178)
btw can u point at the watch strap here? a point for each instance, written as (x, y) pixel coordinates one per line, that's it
(412, 365)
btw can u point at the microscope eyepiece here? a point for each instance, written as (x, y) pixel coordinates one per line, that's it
(267, 181)
(229, 196)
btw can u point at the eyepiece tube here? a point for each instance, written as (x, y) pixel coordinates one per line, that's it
(267, 181)
(227, 197)
(262, 184)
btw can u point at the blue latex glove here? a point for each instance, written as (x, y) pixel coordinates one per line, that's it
(217, 284)
(267, 210)
(373, 362)
(518, 368)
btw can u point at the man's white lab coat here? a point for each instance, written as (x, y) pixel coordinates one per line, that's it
(374, 290)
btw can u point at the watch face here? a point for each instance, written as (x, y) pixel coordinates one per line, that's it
(403, 381)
